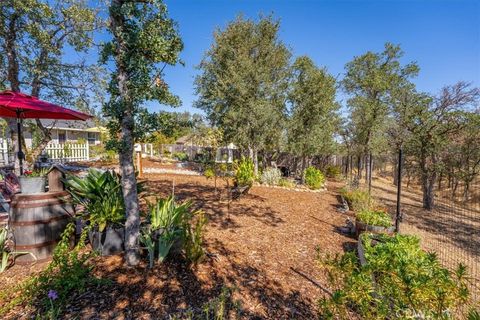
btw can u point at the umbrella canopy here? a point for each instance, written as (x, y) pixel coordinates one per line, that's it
(19, 105)
(22, 106)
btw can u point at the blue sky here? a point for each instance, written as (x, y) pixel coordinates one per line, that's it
(442, 36)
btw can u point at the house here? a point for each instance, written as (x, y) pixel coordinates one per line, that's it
(71, 140)
(188, 145)
(66, 131)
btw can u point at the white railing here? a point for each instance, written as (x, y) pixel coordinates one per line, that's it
(3, 151)
(67, 152)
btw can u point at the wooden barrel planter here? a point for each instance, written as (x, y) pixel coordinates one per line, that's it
(37, 222)
(361, 227)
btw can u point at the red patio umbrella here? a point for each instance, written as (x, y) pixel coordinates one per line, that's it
(22, 106)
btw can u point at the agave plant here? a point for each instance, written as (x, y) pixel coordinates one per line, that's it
(170, 221)
(6, 255)
(100, 194)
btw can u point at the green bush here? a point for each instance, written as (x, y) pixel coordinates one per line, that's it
(332, 171)
(375, 218)
(398, 281)
(209, 173)
(170, 222)
(357, 199)
(244, 173)
(286, 183)
(271, 176)
(180, 156)
(100, 194)
(314, 178)
(67, 275)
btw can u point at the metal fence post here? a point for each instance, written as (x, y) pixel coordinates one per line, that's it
(398, 216)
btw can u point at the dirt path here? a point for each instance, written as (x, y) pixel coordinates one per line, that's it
(264, 247)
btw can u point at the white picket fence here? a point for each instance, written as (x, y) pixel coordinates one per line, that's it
(67, 152)
(3, 151)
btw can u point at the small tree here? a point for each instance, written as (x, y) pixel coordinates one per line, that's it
(34, 36)
(144, 40)
(243, 84)
(314, 117)
(369, 80)
(432, 124)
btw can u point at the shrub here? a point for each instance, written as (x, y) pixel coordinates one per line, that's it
(68, 274)
(209, 173)
(375, 218)
(271, 176)
(287, 183)
(180, 156)
(101, 196)
(244, 173)
(194, 251)
(314, 178)
(357, 199)
(332, 171)
(171, 222)
(399, 280)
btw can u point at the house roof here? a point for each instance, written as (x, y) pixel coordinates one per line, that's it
(72, 125)
(183, 140)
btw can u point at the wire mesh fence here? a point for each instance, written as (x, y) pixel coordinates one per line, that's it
(451, 228)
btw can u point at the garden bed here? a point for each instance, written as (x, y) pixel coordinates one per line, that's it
(263, 245)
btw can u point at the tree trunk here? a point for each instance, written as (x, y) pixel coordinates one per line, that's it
(129, 181)
(13, 79)
(255, 161)
(359, 168)
(367, 167)
(302, 173)
(129, 189)
(370, 170)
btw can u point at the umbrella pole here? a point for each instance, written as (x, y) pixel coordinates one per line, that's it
(19, 135)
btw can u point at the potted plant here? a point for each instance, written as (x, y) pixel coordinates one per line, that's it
(100, 196)
(33, 181)
(373, 221)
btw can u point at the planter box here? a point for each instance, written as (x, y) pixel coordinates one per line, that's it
(108, 242)
(29, 185)
(361, 227)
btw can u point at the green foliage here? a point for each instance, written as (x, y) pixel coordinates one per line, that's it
(374, 218)
(473, 314)
(314, 178)
(180, 156)
(67, 275)
(194, 240)
(100, 194)
(357, 199)
(244, 80)
(170, 223)
(286, 183)
(209, 173)
(332, 171)
(221, 307)
(7, 255)
(314, 113)
(370, 78)
(144, 40)
(399, 279)
(37, 173)
(271, 176)
(4, 252)
(244, 173)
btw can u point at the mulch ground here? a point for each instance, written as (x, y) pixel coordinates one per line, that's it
(262, 245)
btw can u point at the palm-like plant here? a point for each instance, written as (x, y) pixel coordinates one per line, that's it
(100, 194)
(170, 220)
